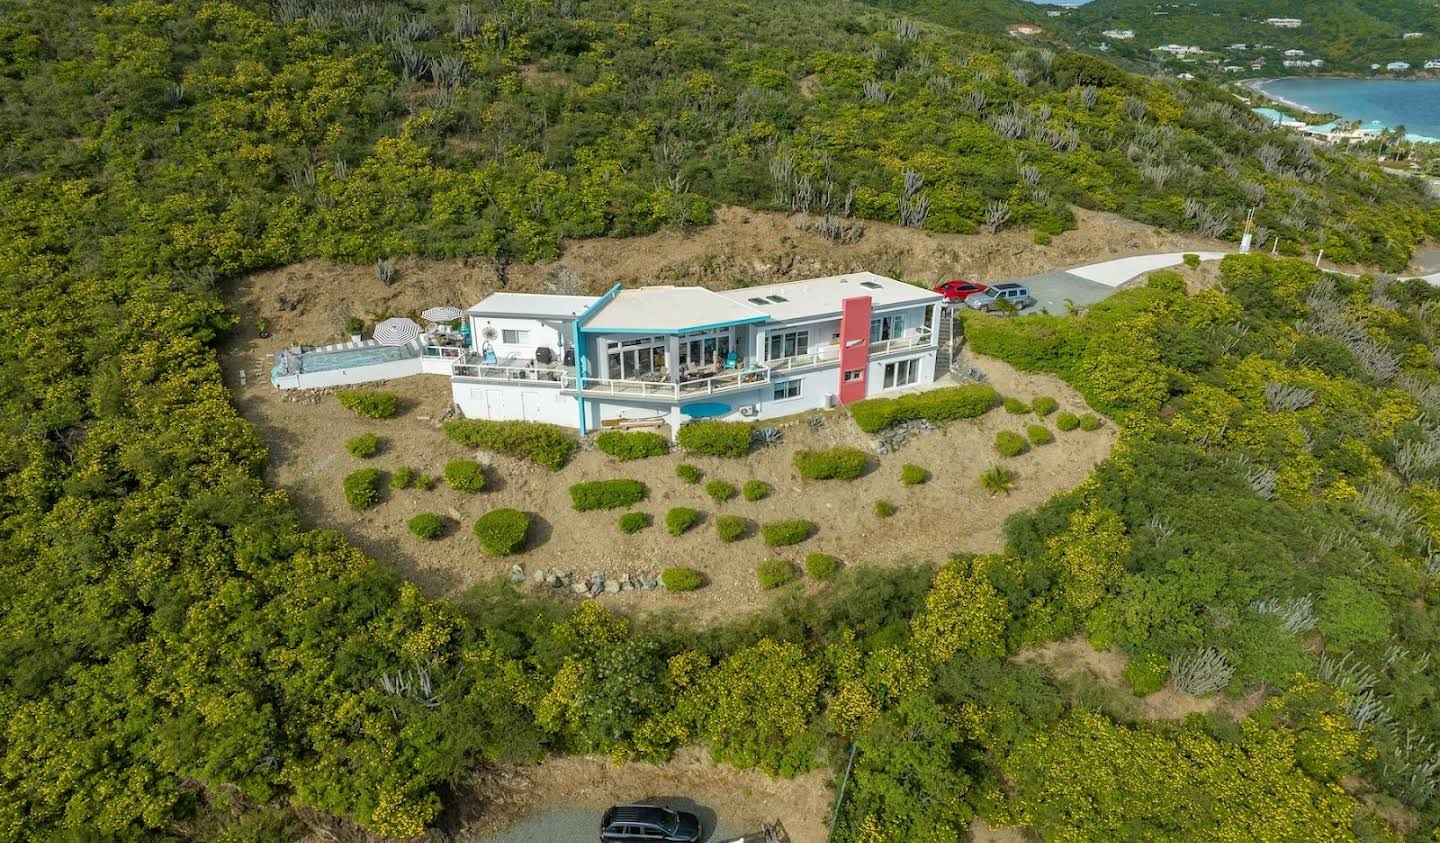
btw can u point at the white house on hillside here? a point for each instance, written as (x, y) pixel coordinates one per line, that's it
(1119, 34)
(1285, 23)
(1398, 65)
(1433, 64)
(1179, 50)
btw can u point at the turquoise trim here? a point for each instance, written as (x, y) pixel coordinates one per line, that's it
(749, 320)
(582, 359)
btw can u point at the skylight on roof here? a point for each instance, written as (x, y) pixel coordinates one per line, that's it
(871, 284)
(758, 301)
(777, 299)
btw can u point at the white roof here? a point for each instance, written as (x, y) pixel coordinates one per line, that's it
(816, 298)
(669, 310)
(531, 305)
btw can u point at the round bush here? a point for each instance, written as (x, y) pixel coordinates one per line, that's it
(426, 525)
(730, 527)
(821, 566)
(913, 475)
(1147, 673)
(1090, 421)
(689, 473)
(1044, 405)
(364, 446)
(832, 464)
(774, 573)
(369, 403)
(606, 494)
(465, 476)
(1039, 434)
(1067, 420)
(1009, 443)
(634, 522)
(632, 444)
(402, 477)
(715, 438)
(362, 488)
(680, 579)
(884, 509)
(1016, 406)
(502, 531)
(782, 533)
(755, 490)
(720, 491)
(680, 519)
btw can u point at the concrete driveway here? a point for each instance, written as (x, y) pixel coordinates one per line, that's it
(1086, 285)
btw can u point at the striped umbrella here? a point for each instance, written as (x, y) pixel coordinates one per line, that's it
(397, 331)
(441, 314)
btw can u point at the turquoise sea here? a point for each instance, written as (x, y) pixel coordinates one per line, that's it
(1412, 103)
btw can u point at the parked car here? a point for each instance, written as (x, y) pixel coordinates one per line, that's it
(1016, 294)
(648, 824)
(960, 290)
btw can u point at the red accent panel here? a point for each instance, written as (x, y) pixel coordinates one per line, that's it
(854, 347)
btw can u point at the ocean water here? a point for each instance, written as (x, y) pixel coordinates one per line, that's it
(1412, 103)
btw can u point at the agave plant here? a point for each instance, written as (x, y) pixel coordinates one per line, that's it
(767, 435)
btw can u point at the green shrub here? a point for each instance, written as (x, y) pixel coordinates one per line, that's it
(1351, 615)
(502, 531)
(997, 479)
(606, 494)
(1166, 281)
(426, 525)
(1041, 239)
(774, 573)
(1039, 434)
(1147, 673)
(1067, 421)
(362, 488)
(1044, 405)
(632, 445)
(634, 522)
(369, 403)
(782, 533)
(720, 491)
(1090, 421)
(1191, 260)
(545, 444)
(715, 438)
(936, 405)
(1015, 406)
(884, 508)
(755, 490)
(1009, 443)
(730, 527)
(402, 477)
(424, 481)
(821, 566)
(680, 519)
(689, 473)
(913, 475)
(831, 464)
(465, 476)
(680, 579)
(364, 446)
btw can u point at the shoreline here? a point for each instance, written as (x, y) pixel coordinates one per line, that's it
(1259, 86)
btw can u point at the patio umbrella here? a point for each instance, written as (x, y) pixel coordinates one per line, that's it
(396, 331)
(441, 314)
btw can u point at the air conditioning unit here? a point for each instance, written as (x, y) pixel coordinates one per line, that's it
(830, 400)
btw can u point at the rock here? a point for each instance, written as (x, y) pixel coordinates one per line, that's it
(556, 582)
(612, 586)
(517, 573)
(625, 586)
(595, 589)
(580, 588)
(538, 576)
(624, 579)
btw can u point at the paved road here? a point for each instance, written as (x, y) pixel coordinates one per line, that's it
(576, 825)
(1086, 285)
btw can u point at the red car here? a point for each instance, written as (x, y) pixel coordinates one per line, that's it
(960, 290)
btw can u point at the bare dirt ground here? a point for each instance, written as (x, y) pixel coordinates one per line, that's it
(308, 302)
(499, 798)
(950, 513)
(1075, 660)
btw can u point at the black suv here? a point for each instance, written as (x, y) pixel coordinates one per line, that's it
(648, 824)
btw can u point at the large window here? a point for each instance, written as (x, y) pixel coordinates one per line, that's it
(902, 373)
(887, 328)
(700, 350)
(513, 336)
(788, 344)
(635, 359)
(787, 389)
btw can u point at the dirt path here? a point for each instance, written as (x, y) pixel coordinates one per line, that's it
(565, 792)
(951, 513)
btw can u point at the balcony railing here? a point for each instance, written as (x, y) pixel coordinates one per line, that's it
(915, 340)
(816, 357)
(518, 375)
(724, 382)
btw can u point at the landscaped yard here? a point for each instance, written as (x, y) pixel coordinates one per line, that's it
(949, 512)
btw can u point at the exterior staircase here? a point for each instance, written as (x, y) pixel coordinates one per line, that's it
(947, 355)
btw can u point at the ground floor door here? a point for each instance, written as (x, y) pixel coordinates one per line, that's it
(901, 373)
(530, 406)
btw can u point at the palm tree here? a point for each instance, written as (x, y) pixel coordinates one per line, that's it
(1004, 307)
(997, 480)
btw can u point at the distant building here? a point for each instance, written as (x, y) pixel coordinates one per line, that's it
(1055, 13)
(1398, 65)
(1233, 68)
(1179, 50)
(1018, 29)
(1433, 64)
(1188, 77)
(1411, 36)
(1238, 47)
(1285, 23)
(1302, 63)
(1294, 53)
(1257, 64)
(1119, 34)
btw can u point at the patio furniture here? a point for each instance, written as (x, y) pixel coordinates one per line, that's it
(441, 314)
(396, 331)
(732, 361)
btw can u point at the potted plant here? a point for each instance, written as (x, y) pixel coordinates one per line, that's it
(353, 326)
(263, 328)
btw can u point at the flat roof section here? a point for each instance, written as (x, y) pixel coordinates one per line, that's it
(815, 298)
(531, 305)
(670, 310)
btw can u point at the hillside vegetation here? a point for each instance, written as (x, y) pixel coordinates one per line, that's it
(182, 660)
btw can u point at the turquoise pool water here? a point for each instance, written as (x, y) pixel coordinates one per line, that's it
(325, 361)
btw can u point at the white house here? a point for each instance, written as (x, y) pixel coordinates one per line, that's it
(1294, 53)
(1433, 64)
(1179, 50)
(1285, 23)
(1119, 34)
(1411, 36)
(1398, 65)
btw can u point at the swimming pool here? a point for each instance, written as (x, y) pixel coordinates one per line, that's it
(325, 361)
